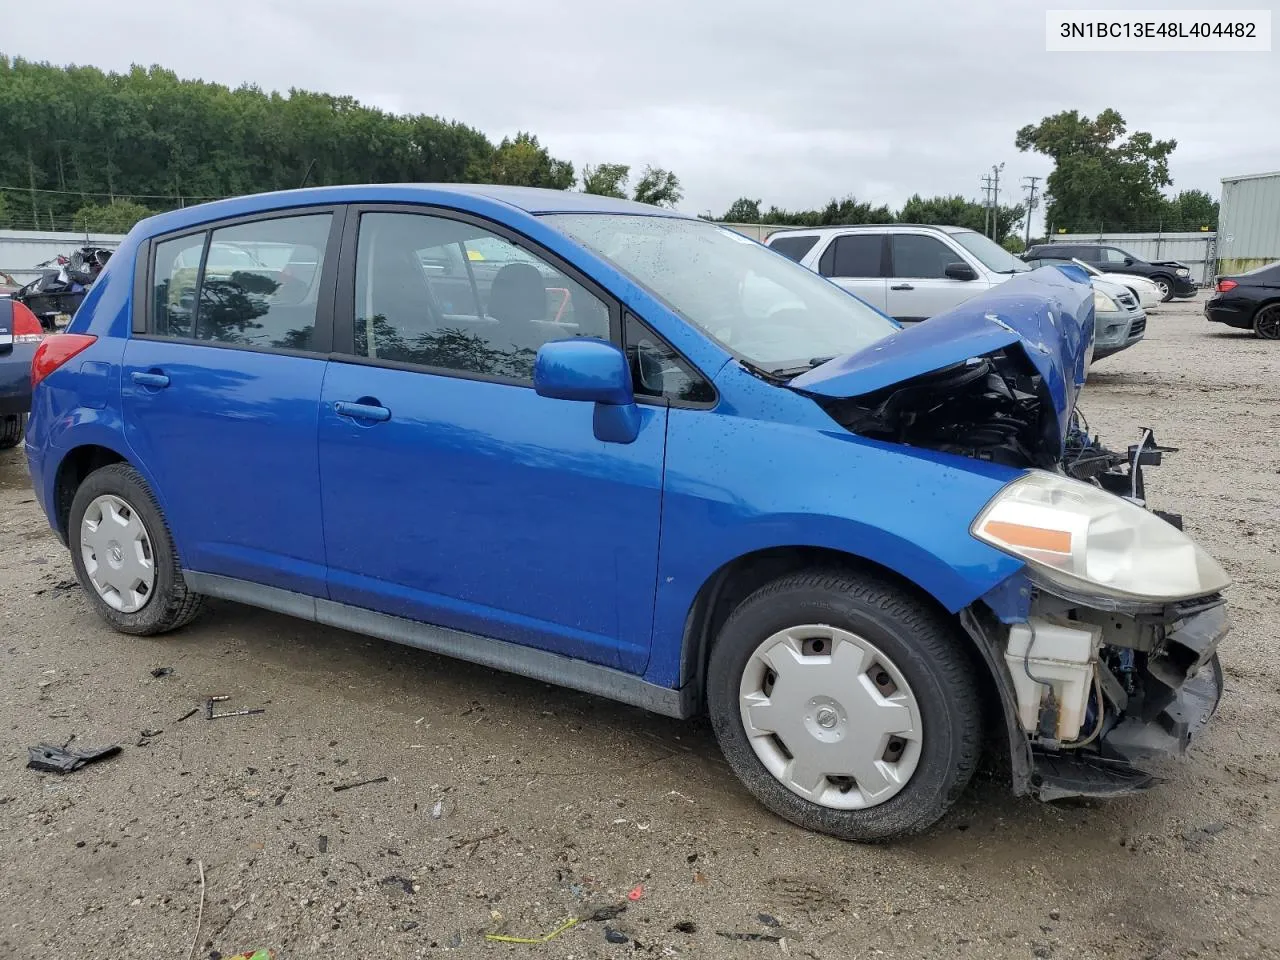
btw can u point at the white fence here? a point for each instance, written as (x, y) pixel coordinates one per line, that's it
(1197, 250)
(21, 250)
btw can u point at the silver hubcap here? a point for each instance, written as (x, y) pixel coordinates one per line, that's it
(1163, 288)
(831, 717)
(117, 554)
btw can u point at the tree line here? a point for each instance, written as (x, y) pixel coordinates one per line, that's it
(95, 150)
(81, 148)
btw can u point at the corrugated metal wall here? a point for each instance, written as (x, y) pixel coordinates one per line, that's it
(1196, 250)
(21, 250)
(1249, 222)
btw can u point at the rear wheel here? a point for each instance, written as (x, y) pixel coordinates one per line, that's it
(1165, 286)
(124, 556)
(845, 705)
(1266, 323)
(12, 428)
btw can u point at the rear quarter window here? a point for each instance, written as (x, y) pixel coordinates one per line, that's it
(794, 248)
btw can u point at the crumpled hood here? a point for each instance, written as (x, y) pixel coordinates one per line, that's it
(1046, 313)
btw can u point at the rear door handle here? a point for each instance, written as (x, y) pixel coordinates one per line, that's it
(902, 286)
(362, 411)
(157, 381)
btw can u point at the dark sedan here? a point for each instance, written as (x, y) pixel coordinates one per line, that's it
(1250, 301)
(20, 335)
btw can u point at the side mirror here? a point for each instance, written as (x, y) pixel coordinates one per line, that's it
(1128, 261)
(959, 271)
(591, 371)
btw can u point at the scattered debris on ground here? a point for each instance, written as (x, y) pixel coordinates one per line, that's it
(338, 788)
(63, 759)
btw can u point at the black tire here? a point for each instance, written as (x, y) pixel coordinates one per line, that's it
(1166, 286)
(1266, 322)
(12, 428)
(171, 605)
(926, 649)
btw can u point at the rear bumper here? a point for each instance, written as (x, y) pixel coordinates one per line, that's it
(1232, 314)
(15, 379)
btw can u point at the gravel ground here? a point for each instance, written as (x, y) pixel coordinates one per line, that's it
(512, 806)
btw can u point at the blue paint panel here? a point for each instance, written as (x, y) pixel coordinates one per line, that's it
(232, 444)
(737, 485)
(485, 507)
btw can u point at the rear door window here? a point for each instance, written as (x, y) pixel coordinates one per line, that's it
(794, 248)
(258, 283)
(857, 255)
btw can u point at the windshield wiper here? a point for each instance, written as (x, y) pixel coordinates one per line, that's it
(786, 373)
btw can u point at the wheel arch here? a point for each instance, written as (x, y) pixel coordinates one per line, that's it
(737, 579)
(74, 466)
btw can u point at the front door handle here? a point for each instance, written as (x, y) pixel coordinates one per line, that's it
(362, 411)
(157, 381)
(902, 286)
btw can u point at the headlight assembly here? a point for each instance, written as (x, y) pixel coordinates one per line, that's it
(1103, 302)
(1094, 543)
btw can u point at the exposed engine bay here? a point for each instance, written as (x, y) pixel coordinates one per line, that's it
(994, 408)
(1095, 689)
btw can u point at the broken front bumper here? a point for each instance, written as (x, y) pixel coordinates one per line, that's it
(1160, 703)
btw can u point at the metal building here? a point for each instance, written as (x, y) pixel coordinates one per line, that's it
(1249, 222)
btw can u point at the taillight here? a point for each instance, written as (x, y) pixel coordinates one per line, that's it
(26, 326)
(1225, 285)
(57, 350)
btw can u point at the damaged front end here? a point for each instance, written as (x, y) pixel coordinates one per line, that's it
(1096, 700)
(1104, 648)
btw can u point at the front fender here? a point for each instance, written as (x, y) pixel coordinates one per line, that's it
(736, 485)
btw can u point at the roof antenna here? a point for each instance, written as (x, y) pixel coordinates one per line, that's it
(307, 176)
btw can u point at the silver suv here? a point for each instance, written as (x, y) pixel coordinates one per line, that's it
(913, 272)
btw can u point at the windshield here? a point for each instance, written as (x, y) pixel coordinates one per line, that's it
(993, 256)
(759, 305)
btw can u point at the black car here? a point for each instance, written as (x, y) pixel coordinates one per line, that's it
(1250, 301)
(1173, 278)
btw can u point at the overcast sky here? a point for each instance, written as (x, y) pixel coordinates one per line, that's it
(791, 103)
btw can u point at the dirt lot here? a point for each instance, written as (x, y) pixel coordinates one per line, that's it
(511, 806)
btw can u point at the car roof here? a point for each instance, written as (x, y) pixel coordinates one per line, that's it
(532, 200)
(856, 227)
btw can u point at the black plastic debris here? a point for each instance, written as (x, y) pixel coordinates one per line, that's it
(360, 783)
(750, 937)
(324, 843)
(768, 920)
(159, 672)
(63, 759)
(615, 936)
(685, 926)
(608, 912)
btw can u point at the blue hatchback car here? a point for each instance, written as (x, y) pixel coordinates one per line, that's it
(636, 454)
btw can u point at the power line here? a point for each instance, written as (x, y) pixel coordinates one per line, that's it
(117, 196)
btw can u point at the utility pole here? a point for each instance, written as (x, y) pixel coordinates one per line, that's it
(986, 205)
(995, 200)
(1031, 205)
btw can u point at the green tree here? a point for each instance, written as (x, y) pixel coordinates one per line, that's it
(4, 210)
(1101, 178)
(658, 187)
(743, 210)
(1013, 243)
(956, 211)
(525, 162)
(118, 217)
(606, 179)
(1190, 210)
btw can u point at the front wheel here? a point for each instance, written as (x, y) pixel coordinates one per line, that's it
(845, 705)
(1165, 286)
(124, 556)
(1266, 323)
